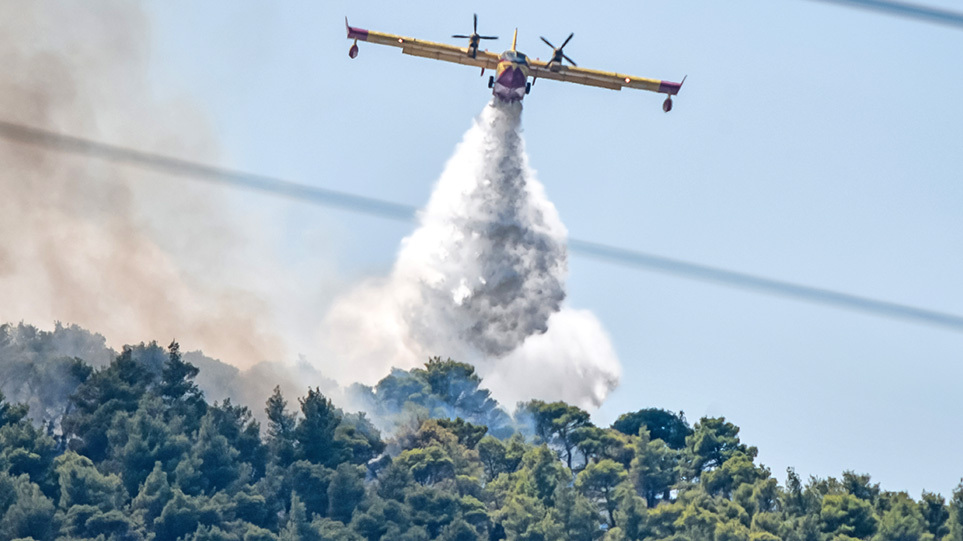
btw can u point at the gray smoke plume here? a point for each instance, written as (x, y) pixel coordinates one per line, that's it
(481, 280)
(128, 253)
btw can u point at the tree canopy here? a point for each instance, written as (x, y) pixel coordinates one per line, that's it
(134, 451)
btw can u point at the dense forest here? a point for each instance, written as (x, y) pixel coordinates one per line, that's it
(129, 448)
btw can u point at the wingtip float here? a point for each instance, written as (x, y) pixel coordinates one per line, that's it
(513, 68)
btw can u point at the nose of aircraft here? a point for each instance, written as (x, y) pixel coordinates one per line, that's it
(512, 77)
(510, 84)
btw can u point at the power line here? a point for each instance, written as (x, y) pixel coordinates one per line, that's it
(706, 273)
(220, 175)
(903, 9)
(407, 213)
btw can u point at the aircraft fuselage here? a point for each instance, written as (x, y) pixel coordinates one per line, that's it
(511, 76)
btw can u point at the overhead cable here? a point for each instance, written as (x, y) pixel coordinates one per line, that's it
(407, 213)
(904, 9)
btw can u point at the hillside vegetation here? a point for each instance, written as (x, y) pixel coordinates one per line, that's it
(132, 450)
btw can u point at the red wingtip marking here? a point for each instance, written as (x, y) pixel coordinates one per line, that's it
(355, 33)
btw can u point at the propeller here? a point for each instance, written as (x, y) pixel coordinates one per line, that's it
(557, 54)
(474, 38)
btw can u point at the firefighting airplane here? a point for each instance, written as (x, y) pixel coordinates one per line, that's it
(512, 68)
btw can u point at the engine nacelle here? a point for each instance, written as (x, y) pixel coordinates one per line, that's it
(667, 104)
(353, 51)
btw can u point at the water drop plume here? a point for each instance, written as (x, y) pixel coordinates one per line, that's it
(481, 280)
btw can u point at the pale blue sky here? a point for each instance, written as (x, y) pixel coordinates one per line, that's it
(811, 143)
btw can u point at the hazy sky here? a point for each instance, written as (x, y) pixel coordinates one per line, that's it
(811, 143)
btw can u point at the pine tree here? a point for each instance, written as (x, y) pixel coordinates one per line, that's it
(178, 390)
(315, 433)
(280, 431)
(153, 496)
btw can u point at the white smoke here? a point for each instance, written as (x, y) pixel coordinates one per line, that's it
(481, 280)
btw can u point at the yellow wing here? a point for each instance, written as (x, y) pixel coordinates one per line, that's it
(426, 49)
(603, 79)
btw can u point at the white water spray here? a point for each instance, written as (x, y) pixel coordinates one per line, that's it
(481, 280)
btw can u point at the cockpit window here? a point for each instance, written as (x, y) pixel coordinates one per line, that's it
(514, 56)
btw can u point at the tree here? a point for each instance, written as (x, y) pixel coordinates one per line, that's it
(597, 443)
(30, 515)
(213, 533)
(737, 470)
(459, 530)
(442, 389)
(250, 506)
(182, 515)
(333, 530)
(767, 522)
(281, 427)
(40, 369)
(632, 516)
(428, 465)
(731, 530)
(935, 513)
(859, 485)
(377, 516)
(701, 516)
(82, 484)
(468, 434)
(298, 528)
(598, 482)
(26, 450)
(492, 453)
(797, 500)
(431, 508)
(11, 413)
(243, 433)
(577, 514)
(902, 522)
(345, 492)
(662, 425)
(713, 441)
(315, 433)
(955, 521)
(139, 441)
(84, 521)
(763, 496)
(654, 469)
(395, 481)
(540, 475)
(400, 387)
(555, 424)
(848, 515)
(359, 437)
(457, 386)
(111, 390)
(178, 390)
(311, 483)
(213, 462)
(153, 496)
(525, 518)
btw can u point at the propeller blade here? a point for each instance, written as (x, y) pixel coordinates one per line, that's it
(487, 37)
(570, 60)
(475, 15)
(570, 36)
(549, 43)
(461, 36)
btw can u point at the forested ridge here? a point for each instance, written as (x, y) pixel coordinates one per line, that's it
(132, 450)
